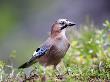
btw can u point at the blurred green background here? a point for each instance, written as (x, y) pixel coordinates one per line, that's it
(24, 24)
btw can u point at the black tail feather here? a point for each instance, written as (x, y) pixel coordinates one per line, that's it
(29, 63)
(25, 65)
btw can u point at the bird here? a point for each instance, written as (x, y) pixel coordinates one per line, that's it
(52, 51)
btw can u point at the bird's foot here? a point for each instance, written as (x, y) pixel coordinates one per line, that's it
(60, 77)
(43, 79)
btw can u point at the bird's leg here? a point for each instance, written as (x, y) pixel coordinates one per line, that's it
(43, 79)
(57, 69)
(44, 69)
(59, 75)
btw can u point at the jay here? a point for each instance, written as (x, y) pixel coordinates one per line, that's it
(54, 48)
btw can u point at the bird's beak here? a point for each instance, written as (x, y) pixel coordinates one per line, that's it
(71, 23)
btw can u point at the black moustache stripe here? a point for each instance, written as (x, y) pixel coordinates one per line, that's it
(63, 27)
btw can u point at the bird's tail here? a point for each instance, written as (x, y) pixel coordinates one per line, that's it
(27, 64)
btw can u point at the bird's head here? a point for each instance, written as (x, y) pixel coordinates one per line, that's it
(64, 23)
(60, 26)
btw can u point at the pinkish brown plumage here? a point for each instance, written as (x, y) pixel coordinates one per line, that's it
(54, 48)
(57, 51)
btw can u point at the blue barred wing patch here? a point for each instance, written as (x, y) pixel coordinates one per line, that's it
(41, 51)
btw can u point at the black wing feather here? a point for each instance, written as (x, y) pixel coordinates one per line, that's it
(37, 54)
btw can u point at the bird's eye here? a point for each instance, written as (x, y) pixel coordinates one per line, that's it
(62, 22)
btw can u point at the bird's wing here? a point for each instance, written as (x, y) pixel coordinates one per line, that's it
(37, 54)
(40, 52)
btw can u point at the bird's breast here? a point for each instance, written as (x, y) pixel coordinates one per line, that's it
(56, 52)
(62, 45)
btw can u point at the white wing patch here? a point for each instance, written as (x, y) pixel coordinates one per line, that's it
(35, 54)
